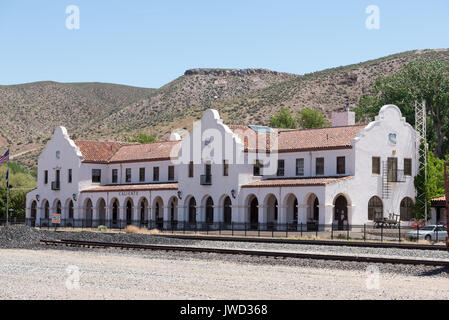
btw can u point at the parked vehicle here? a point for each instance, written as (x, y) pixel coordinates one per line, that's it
(429, 233)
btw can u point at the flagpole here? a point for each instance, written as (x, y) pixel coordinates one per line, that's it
(7, 194)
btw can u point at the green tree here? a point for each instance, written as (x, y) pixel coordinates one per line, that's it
(142, 137)
(22, 182)
(433, 188)
(283, 119)
(418, 81)
(310, 118)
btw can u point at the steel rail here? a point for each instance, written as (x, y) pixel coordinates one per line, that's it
(309, 242)
(258, 253)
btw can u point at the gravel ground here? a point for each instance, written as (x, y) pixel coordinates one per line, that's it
(114, 274)
(29, 270)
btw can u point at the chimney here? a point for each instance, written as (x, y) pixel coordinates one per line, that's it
(345, 118)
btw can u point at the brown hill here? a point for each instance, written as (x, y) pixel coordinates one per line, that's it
(243, 96)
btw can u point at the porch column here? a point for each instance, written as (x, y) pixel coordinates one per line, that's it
(282, 217)
(218, 214)
(199, 214)
(262, 212)
(302, 213)
(326, 215)
(166, 215)
(181, 210)
(351, 210)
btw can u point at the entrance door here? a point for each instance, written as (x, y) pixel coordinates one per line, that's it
(254, 214)
(341, 212)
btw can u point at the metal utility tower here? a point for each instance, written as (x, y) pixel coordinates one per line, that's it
(421, 149)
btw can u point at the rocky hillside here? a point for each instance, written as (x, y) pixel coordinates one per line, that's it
(112, 112)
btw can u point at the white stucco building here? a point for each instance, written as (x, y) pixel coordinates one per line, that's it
(251, 176)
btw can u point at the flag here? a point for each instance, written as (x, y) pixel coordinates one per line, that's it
(4, 158)
(7, 174)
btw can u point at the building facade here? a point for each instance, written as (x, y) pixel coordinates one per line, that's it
(245, 176)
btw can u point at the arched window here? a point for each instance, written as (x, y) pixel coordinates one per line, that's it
(407, 206)
(375, 208)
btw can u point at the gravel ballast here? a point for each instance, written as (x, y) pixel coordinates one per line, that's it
(20, 236)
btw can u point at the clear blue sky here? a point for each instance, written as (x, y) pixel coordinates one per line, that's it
(149, 43)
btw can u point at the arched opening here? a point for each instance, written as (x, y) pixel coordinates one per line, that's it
(341, 212)
(158, 214)
(271, 207)
(101, 209)
(58, 207)
(88, 213)
(291, 205)
(143, 212)
(45, 213)
(253, 213)
(209, 210)
(192, 210)
(375, 209)
(33, 213)
(407, 208)
(129, 212)
(313, 212)
(70, 213)
(173, 207)
(227, 211)
(115, 213)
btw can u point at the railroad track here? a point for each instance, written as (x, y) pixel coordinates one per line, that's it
(385, 245)
(258, 253)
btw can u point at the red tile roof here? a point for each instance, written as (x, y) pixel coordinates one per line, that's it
(144, 152)
(317, 139)
(96, 151)
(133, 187)
(288, 141)
(302, 140)
(297, 182)
(113, 152)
